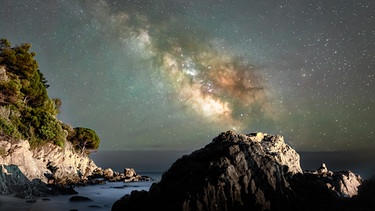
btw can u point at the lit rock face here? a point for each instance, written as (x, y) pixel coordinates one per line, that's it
(233, 172)
(26, 171)
(50, 163)
(346, 183)
(341, 184)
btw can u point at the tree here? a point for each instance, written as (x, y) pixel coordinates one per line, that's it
(4, 43)
(85, 139)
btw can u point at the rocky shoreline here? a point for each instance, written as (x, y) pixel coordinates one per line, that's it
(256, 171)
(52, 170)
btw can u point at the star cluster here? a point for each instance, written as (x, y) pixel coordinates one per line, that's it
(171, 74)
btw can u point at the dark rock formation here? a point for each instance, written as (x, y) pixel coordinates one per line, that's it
(366, 191)
(243, 172)
(12, 180)
(62, 190)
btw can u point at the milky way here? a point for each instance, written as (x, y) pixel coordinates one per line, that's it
(220, 88)
(173, 74)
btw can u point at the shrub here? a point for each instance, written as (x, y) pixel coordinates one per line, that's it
(84, 139)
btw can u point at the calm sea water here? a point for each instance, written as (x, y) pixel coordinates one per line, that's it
(103, 196)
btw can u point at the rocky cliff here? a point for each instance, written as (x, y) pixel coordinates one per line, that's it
(28, 172)
(49, 163)
(243, 172)
(50, 170)
(54, 153)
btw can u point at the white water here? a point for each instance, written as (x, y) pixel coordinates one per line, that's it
(103, 196)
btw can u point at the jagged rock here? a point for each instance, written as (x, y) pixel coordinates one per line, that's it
(323, 169)
(129, 172)
(243, 172)
(12, 180)
(342, 184)
(346, 183)
(108, 173)
(233, 172)
(49, 163)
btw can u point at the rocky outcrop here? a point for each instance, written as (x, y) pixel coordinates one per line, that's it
(242, 172)
(12, 180)
(325, 190)
(129, 175)
(233, 172)
(49, 163)
(343, 183)
(26, 172)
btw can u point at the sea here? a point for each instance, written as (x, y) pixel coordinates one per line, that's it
(102, 197)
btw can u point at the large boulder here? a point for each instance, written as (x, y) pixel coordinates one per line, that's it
(243, 172)
(233, 172)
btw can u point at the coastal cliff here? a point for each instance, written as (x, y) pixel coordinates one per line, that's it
(245, 172)
(49, 163)
(50, 170)
(37, 150)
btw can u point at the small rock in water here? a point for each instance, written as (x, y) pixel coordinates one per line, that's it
(65, 190)
(79, 198)
(31, 201)
(120, 187)
(95, 206)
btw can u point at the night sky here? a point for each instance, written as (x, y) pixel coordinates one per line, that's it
(173, 74)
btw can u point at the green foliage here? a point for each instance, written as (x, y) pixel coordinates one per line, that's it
(4, 43)
(42, 126)
(26, 111)
(10, 91)
(84, 139)
(6, 128)
(22, 66)
(57, 106)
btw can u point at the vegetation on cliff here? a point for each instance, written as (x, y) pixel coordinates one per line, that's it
(26, 111)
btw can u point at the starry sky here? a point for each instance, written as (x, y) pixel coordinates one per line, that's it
(173, 74)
